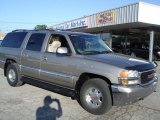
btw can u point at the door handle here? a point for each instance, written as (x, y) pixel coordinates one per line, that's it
(44, 58)
(25, 55)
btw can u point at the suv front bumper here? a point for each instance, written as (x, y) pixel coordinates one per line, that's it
(123, 95)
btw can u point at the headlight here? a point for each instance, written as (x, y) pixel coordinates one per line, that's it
(158, 52)
(129, 77)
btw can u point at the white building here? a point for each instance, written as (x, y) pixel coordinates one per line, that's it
(138, 22)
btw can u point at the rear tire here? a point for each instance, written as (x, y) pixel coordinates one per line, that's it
(95, 96)
(13, 75)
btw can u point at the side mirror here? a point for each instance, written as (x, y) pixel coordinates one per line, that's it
(62, 50)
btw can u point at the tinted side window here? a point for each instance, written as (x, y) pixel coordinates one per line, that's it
(13, 40)
(35, 42)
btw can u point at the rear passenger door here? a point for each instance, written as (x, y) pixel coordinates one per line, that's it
(30, 60)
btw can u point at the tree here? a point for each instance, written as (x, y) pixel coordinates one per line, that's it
(40, 27)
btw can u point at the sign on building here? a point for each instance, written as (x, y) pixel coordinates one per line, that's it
(105, 17)
(78, 23)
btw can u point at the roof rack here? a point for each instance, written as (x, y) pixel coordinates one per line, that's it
(50, 29)
(55, 29)
(23, 30)
(45, 30)
(19, 30)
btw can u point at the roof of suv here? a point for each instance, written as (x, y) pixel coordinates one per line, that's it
(52, 31)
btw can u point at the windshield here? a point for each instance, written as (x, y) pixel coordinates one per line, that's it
(89, 44)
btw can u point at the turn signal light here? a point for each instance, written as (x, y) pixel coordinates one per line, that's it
(123, 74)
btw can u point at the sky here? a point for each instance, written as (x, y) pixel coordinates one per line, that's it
(26, 14)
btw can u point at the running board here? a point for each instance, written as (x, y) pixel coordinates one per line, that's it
(49, 87)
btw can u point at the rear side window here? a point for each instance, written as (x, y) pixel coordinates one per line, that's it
(13, 40)
(35, 42)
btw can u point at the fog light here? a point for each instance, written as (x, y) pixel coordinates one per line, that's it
(124, 82)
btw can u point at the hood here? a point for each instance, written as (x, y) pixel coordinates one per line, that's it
(122, 61)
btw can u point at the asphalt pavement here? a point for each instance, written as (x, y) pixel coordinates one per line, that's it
(31, 103)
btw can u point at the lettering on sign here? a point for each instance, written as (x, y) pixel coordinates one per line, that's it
(105, 17)
(72, 24)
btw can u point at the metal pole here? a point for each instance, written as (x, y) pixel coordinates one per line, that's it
(110, 43)
(151, 46)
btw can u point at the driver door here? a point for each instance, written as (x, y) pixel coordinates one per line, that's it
(56, 68)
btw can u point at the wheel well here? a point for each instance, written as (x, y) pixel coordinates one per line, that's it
(86, 76)
(8, 61)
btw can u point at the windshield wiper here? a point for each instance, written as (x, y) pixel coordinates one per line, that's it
(92, 52)
(106, 51)
(96, 52)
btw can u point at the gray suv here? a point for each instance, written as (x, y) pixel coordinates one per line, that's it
(78, 65)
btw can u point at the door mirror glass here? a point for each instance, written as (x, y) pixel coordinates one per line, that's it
(62, 50)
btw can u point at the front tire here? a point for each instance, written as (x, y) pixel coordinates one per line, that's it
(13, 75)
(95, 96)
